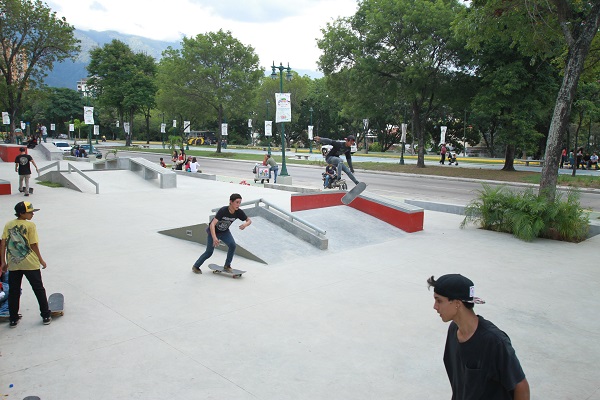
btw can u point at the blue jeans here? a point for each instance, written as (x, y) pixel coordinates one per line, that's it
(275, 170)
(227, 238)
(340, 166)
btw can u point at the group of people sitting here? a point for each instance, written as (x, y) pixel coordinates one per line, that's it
(181, 162)
(583, 160)
(78, 151)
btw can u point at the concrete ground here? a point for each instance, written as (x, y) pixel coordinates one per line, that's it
(352, 322)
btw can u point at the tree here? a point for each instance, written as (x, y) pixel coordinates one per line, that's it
(61, 105)
(32, 39)
(212, 75)
(407, 44)
(123, 80)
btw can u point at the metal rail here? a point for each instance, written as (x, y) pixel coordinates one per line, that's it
(287, 214)
(96, 184)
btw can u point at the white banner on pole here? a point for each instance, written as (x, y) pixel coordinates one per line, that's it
(88, 115)
(52, 127)
(96, 130)
(126, 127)
(310, 132)
(5, 118)
(366, 124)
(283, 111)
(186, 126)
(224, 129)
(268, 128)
(174, 123)
(23, 125)
(249, 123)
(117, 124)
(163, 127)
(403, 138)
(443, 134)
(71, 127)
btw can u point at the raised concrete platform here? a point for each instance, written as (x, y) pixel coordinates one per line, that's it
(404, 216)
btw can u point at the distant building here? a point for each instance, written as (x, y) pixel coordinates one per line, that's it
(83, 88)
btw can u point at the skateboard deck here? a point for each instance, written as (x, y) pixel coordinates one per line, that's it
(217, 269)
(56, 304)
(354, 192)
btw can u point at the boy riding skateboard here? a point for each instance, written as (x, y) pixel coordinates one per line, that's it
(218, 230)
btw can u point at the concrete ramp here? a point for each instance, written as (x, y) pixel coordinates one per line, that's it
(265, 242)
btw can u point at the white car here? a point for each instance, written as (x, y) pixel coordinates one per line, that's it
(65, 147)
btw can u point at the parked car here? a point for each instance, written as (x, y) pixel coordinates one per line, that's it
(86, 148)
(65, 147)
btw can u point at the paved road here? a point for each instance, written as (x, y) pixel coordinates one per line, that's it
(401, 186)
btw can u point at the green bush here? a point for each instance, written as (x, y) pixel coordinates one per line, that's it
(376, 147)
(527, 215)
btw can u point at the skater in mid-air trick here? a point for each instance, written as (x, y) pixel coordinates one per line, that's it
(338, 148)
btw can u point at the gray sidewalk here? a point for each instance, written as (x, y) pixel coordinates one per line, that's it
(355, 323)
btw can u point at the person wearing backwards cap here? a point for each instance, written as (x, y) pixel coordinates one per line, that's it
(20, 254)
(338, 148)
(479, 358)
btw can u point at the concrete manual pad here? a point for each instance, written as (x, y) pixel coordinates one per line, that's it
(353, 323)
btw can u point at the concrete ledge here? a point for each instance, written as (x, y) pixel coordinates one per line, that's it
(309, 201)
(50, 151)
(290, 188)
(198, 175)
(404, 216)
(8, 152)
(5, 187)
(441, 207)
(149, 170)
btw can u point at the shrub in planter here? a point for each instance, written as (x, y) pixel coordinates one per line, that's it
(527, 215)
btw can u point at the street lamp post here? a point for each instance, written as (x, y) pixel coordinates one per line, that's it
(288, 77)
(311, 124)
(162, 130)
(267, 102)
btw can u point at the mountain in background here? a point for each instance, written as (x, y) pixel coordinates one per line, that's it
(67, 73)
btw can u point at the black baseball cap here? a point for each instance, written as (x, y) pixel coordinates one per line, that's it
(457, 287)
(350, 137)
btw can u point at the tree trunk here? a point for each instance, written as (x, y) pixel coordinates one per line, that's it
(220, 128)
(509, 158)
(578, 51)
(417, 131)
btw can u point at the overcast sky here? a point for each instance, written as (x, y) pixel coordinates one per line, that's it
(281, 31)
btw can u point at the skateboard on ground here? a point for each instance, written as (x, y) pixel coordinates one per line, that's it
(354, 192)
(217, 269)
(56, 304)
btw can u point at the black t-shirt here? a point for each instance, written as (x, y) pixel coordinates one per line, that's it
(338, 148)
(24, 165)
(485, 367)
(225, 218)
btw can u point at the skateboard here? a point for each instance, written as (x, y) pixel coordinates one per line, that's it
(354, 192)
(56, 304)
(217, 269)
(31, 398)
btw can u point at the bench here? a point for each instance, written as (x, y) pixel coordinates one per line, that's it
(150, 170)
(540, 162)
(299, 156)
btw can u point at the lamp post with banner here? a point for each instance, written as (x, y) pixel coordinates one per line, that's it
(283, 111)
(88, 119)
(402, 140)
(310, 132)
(268, 128)
(366, 130)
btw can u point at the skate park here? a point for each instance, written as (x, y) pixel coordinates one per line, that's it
(353, 321)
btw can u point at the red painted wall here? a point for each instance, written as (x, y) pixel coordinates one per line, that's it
(407, 221)
(8, 152)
